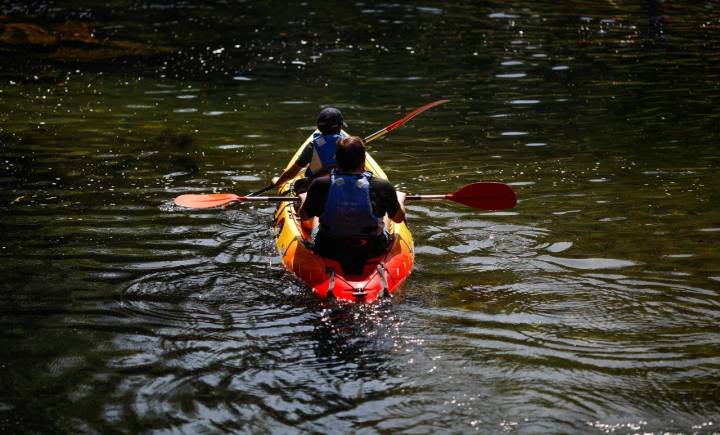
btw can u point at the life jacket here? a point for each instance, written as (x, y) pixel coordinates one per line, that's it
(348, 210)
(323, 159)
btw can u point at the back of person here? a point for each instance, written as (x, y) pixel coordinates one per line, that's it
(351, 205)
(348, 211)
(318, 157)
(322, 160)
(351, 228)
(350, 231)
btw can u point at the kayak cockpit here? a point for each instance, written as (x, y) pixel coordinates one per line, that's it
(366, 279)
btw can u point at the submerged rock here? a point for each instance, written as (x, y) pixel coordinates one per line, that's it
(75, 31)
(26, 34)
(102, 52)
(171, 138)
(71, 41)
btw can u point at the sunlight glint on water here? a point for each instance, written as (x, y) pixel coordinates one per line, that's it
(591, 307)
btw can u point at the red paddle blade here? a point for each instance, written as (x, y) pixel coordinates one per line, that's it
(486, 195)
(207, 201)
(406, 118)
(413, 114)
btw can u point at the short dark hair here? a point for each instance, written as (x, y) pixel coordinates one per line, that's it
(350, 153)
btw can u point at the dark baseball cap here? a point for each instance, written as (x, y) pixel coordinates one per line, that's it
(330, 119)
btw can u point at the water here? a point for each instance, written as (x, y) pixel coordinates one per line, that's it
(591, 307)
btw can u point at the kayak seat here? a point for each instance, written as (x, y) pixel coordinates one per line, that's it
(357, 268)
(352, 254)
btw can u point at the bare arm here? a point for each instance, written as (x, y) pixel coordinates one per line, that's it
(289, 174)
(400, 214)
(301, 210)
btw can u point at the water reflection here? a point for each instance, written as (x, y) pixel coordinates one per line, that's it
(590, 307)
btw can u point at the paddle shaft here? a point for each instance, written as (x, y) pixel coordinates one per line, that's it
(269, 198)
(378, 134)
(427, 197)
(293, 198)
(370, 138)
(485, 195)
(263, 190)
(382, 132)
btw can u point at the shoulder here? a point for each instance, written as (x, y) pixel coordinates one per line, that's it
(306, 154)
(316, 136)
(320, 182)
(316, 196)
(319, 139)
(325, 179)
(380, 184)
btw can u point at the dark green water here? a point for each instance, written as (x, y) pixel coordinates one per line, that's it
(592, 307)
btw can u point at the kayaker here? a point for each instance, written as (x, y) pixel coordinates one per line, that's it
(352, 207)
(319, 155)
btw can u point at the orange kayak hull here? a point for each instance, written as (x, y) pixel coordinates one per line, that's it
(380, 276)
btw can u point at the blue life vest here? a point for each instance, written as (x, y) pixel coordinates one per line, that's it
(324, 146)
(348, 211)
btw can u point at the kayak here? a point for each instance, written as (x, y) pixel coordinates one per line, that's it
(379, 277)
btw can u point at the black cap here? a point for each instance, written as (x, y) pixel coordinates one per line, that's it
(329, 120)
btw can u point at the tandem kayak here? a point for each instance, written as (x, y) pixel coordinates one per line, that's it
(380, 276)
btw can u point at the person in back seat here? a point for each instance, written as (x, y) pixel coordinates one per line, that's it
(352, 206)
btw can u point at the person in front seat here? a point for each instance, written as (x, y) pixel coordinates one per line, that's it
(318, 155)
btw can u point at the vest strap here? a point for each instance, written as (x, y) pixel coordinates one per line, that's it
(331, 285)
(385, 292)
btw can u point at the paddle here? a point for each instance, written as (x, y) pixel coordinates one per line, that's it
(485, 195)
(403, 120)
(263, 190)
(378, 134)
